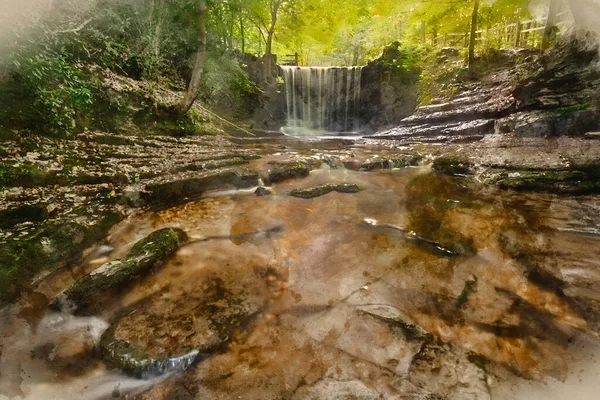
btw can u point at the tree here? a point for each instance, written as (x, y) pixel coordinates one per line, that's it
(550, 24)
(194, 85)
(265, 16)
(472, 38)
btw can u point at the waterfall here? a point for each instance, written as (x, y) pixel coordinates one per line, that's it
(321, 100)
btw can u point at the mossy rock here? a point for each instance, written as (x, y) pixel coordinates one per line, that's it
(452, 165)
(167, 333)
(87, 293)
(50, 246)
(282, 172)
(552, 181)
(25, 175)
(390, 163)
(321, 190)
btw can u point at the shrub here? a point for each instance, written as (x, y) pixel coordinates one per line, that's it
(59, 92)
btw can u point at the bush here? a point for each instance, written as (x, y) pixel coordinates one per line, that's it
(226, 85)
(58, 90)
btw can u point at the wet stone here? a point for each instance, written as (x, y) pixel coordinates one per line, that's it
(263, 191)
(452, 166)
(390, 163)
(171, 331)
(335, 390)
(280, 172)
(321, 190)
(450, 372)
(87, 294)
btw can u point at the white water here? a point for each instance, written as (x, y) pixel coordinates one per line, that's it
(322, 100)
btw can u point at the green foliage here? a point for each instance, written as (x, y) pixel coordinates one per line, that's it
(59, 92)
(226, 84)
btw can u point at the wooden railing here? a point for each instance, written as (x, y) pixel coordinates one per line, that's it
(528, 33)
(290, 60)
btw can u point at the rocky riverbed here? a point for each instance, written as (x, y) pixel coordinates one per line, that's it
(299, 269)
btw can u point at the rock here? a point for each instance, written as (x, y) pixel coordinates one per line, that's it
(452, 165)
(87, 294)
(46, 248)
(534, 125)
(170, 331)
(284, 171)
(321, 190)
(543, 180)
(185, 186)
(336, 390)
(263, 191)
(592, 135)
(390, 163)
(27, 212)
(450, 372)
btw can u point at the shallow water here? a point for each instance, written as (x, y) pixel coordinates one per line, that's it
(418, 284)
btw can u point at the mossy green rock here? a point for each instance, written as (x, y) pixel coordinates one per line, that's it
(321, 190)
(452, 166)
(48, 247)
(285, 171)
(87, 293)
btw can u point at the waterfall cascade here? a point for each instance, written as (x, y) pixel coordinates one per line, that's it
(321, 100)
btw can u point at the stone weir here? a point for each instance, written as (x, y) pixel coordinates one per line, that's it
(322, 100)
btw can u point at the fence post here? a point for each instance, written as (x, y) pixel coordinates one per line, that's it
(518, 35)
(423, 32)
(445, 39)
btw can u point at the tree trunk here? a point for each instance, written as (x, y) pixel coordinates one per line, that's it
(473, 36)
(550, 24)
(243, 35)
(196, 79)
(274, 8)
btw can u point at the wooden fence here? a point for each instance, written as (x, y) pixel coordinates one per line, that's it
(528, 33)
(291, 60)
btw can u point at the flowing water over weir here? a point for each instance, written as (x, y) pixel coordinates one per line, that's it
(321, 100)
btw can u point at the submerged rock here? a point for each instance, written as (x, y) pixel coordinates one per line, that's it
(450, 372)
(332, 389)
(87, 293)
(169, 332)
(284, 171)
(321, 190)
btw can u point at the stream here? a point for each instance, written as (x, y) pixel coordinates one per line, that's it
(418, 285)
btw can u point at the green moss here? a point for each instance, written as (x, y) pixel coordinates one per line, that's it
(566, 111)
(555, 181)
(144, 255)
(26, 175)
(50, 246)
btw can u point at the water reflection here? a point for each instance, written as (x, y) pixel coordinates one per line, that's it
(420, 284)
